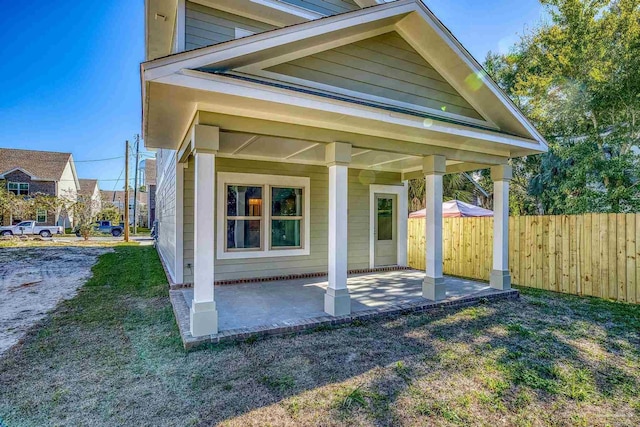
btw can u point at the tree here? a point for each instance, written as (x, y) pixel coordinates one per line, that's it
(454, 187)
(109, 213)
(6, 201)
(25, 207)
(578, 79)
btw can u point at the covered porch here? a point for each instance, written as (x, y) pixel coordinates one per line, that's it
(280, 173)
(348, 211)
(276, 307)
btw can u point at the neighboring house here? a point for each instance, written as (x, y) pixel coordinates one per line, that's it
(285, 138)
(116, 198)
(27, 172)
(148, 167)
(90, 193)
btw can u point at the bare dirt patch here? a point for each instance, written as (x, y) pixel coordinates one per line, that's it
(34, 280)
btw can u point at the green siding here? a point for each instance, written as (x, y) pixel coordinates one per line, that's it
(326, 7)
(166, 208)
(205, 26)
(187, 230)
(316, 261)
(385, 66)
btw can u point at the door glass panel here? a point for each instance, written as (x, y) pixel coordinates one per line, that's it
(385, 219)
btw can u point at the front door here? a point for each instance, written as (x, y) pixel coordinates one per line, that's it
(385, 231)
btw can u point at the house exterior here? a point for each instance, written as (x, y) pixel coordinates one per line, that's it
(29, 172)
(149, 183)
(116, 198)
(286, 132)
(89, 193)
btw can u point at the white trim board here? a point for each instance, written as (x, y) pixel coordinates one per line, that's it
(402, 217)
(290, 8)
(205, 56)
(226, 85)
(316, 163)
(167, 264)
(411, 17)
(269, 180)
(179, 36)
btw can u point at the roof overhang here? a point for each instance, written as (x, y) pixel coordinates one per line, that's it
(206, 79)
(26, 172)
(160, 21)
(274, 12)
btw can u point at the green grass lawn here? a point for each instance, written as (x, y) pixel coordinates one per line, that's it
(113, 356)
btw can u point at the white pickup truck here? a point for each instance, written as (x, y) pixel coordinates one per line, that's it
(30, 227)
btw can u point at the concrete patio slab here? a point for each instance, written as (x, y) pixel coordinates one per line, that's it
(266, 308)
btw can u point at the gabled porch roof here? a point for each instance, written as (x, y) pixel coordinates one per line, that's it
(227, 80)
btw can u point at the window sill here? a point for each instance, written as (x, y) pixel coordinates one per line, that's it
(278, 253)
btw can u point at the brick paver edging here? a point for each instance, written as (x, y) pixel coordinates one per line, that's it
(290, 277)
(181, 311)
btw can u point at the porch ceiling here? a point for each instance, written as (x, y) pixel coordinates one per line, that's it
(251, 146)
(173, 108)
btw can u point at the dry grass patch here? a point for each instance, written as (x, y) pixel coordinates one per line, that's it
(37, 242)
(112, 355)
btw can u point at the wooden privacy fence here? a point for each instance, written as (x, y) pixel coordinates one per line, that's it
(591, 254)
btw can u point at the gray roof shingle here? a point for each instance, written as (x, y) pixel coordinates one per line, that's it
(44, 165)
(87, 186)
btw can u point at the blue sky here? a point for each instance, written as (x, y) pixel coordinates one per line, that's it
(69, 70)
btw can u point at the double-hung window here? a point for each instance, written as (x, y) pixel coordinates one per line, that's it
(41, 215)
(286, 217)
(262, 216)
(244, 217)
(18, 188)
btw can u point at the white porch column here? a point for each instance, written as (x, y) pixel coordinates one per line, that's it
(179, 261)
(336, 300)
(500, 277)
(433, 287)
(204, 315)
(403, 231)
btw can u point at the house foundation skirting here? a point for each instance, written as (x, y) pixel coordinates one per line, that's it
(175, 286)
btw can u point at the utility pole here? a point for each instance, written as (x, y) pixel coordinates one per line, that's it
(126, 191)
(135, 188)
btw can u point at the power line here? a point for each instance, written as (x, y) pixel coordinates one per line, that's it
(116, 184)
(99, 160)
(81, 161)
(73, 180)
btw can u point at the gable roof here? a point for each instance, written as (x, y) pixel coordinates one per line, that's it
(87, 186)
(245, 61)
(383, 69)
(39, 165)
(117, 196)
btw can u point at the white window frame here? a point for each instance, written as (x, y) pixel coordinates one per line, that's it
(18, 184)
(41, 212)
(266, 182)
(261, 218)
